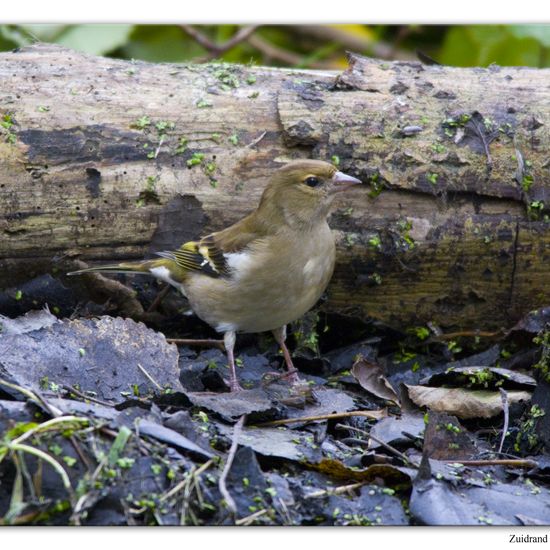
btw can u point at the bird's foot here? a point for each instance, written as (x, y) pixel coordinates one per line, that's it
(234, 385)
(291, 376)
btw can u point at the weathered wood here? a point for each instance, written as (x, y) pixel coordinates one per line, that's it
(98, 160)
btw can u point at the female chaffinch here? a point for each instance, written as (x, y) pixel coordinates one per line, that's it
(264, 271)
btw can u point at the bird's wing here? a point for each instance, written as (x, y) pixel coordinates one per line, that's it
(199, 256)
(210, 255)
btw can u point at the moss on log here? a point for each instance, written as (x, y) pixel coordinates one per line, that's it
(103, 159)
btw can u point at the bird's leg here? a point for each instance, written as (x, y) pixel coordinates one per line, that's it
(229, 342)
(280, 337)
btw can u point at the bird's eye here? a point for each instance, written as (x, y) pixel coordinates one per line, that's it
(312, 181)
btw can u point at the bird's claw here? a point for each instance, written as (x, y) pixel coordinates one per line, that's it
(234, 386)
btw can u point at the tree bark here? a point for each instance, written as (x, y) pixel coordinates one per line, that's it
(103, 160)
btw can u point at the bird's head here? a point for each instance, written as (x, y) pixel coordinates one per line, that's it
(303, 190)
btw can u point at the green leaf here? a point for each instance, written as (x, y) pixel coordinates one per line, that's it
(118, 444)
(43, 32)
(95, 39)
(481, 45)
(541, 33)
(167, 43)
(17, 503)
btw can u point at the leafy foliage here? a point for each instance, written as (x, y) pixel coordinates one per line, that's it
(313, 46)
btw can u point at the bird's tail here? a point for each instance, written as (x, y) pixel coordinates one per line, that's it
(124, 267)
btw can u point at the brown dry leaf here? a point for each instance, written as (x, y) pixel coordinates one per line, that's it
(392, 475)
(371, 377)
(462, 402)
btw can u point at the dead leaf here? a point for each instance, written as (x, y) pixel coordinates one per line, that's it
(392, 475)
(446, 439)
(232, 405)
(391, 430)
(282, 443)
(440, 503)
(96, 355)
(462, 402)
(481, 377)
(371, 377)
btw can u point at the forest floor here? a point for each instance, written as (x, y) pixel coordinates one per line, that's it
(104, 422)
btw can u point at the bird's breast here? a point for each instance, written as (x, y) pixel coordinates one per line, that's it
(269, 285)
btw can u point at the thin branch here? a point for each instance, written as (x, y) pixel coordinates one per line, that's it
(228, 463)
(150, 378)
(159, 297)
(337, 490)
(215, 50)
(199, 37)
(466, 333)
(360, 44)
(285, 56)
(249, 519)
(78, 393)
(386, 446)
(374, 415)
(519, 463)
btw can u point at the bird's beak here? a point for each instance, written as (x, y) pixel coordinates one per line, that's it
(341, 182)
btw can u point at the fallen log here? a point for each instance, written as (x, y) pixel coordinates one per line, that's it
(103, 159)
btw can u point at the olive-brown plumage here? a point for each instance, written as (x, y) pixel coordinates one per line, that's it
(264, 271)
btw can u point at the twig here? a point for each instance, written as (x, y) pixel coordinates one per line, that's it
(150, 378)
(377, 48)
(519, 463)
(257, 140)
(214, 49)
(505, 408)
(249, 519)
(159, 297)
(182, 484)
(228, 463)
(386, 446)
(482, 136)
(466, 333)
(280, 54)
(157, 150)
(197, 343)
(374, 415)
(337, 490)
(78, 393)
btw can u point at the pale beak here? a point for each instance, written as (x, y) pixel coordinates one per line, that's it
(341, 182)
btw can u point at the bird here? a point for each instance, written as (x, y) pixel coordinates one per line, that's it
(266, 270)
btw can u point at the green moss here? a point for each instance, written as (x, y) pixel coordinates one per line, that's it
(375, 242)
(376, 185)
(420, 332)
(432, 177)
(203, 103)
(69, 461)
(141, 123)
(438, 148)
(233, 139)
(182, 146)
(163, 126)
(195, 159)
(527, 182)
(543, 364)
(535, 210)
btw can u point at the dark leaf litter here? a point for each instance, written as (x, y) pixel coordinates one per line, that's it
(142, 431)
